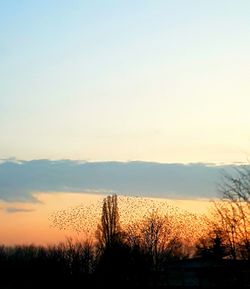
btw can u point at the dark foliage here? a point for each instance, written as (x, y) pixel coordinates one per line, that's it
(121, 266)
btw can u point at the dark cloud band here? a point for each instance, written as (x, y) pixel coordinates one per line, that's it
(20, 179)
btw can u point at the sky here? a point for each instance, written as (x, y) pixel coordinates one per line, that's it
(164, 81)
(32, 192)
(147, 98)
(35, 223)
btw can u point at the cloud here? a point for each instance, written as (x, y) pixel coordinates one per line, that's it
(17, 210)
(19, 180)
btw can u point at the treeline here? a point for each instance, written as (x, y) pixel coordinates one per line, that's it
(75, 265)
(116, 258)
(61, 266)
(149, 253)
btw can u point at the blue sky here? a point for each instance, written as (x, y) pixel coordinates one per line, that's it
(164, 81)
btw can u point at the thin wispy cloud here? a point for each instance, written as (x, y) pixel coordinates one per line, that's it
(12, 210)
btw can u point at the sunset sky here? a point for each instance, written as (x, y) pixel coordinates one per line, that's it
(157, 82)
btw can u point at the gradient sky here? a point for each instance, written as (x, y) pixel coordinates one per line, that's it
(155, 81)
(164, 81)
(24, 223)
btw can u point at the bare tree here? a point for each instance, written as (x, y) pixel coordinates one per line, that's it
(157, 236)
(153, 234)
(233, 211)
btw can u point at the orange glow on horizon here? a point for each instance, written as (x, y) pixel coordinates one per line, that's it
(34, 225)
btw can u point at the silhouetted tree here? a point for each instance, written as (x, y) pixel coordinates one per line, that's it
(112, 267)
(212, 246)
(154, 235)
(233, 211)
(158, 238)
(109, 231)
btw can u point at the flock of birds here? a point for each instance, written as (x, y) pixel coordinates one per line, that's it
(83, 220)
